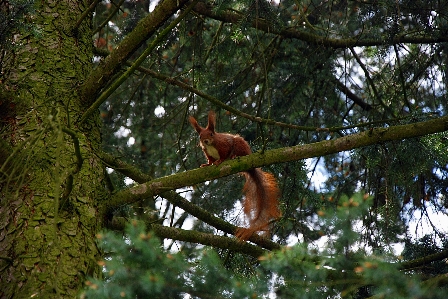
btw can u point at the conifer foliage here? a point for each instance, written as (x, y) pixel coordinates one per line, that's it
(136, 266)
(343, 102)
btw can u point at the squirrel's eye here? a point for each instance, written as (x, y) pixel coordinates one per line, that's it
(211, 134)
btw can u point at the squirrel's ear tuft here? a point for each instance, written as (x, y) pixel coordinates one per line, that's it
(195, 124)
(211, 121)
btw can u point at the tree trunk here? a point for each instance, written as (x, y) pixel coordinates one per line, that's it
(51, 181)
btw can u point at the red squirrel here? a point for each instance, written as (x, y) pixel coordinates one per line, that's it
(261, 190)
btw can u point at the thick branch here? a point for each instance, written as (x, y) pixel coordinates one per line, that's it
(409, 265)
(263, 25)
(145, 29)
(195, 176)
(94, 107)
(184, 204)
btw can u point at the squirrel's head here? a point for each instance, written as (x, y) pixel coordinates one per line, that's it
(208, 132)
(207, 137)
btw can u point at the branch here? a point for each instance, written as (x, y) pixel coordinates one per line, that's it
(7, 259)
(402, 81)
(438, 281)
(86, 13)
(409, 265)
(124, 168)
(370, 81)
(144, 29)
(299, 152)
(207, 239)
(218, 103)
(263, 25)
(177, 200)
(94, 107)
(266, 121)
(357, 100)
(111, 15)
(119, 223)
(79, 159)
(69, 181)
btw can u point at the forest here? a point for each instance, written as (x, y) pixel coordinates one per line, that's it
(124, 174)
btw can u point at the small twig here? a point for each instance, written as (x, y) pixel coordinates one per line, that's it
(403, 83)
(357, 100)
(85, 14)
(77, 148)
(231, 109)
(368, 78)
(109, 17)
(214, 41)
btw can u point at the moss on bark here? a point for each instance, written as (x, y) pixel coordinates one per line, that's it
(48, 207)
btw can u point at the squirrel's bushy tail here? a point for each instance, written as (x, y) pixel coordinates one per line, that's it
(261, 202)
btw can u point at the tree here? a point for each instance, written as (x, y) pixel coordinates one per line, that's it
(95, 93)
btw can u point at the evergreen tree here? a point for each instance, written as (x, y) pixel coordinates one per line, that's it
(94, 102)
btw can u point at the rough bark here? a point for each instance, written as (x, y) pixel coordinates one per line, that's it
(53, 181)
